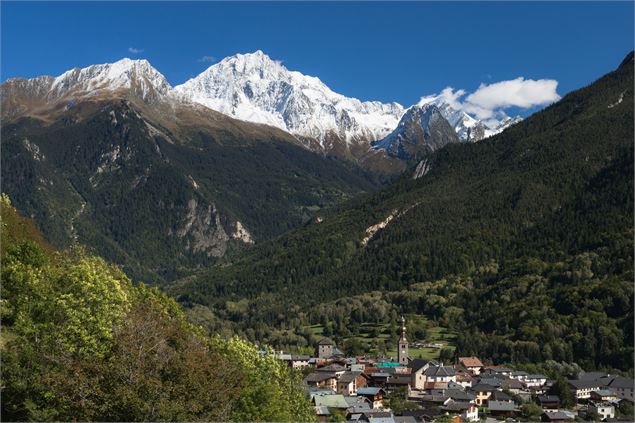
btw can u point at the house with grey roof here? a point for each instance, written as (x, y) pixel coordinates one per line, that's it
(505, 409)
(622, 387)
(349, 382)
(438, 377)
(374, 394)
(467, 411)
(418, 368)
(582, 388)
(325, 380)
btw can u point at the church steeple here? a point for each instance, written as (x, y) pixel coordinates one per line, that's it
(402, 344)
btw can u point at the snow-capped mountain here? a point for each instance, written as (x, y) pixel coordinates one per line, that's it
(468, 128)
(422, 130)
(255, 88)
(250, 87)
(503, 124)
(138, 76)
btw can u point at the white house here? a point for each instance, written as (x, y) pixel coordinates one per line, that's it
(604, 410)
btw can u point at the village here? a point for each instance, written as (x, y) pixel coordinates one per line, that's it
(405, 390)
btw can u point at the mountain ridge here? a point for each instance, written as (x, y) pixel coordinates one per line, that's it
(251, 87)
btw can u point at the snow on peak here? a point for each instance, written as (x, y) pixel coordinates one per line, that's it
(421, 130)
(138, 75)
(467, 127)
(256, 88)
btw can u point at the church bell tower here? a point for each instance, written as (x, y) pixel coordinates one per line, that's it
(402, 344)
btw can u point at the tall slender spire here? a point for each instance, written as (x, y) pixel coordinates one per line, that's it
(402, 344)
(402, 329)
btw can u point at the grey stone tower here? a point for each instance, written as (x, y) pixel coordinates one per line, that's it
(402, 344)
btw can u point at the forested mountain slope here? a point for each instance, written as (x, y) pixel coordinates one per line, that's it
(526, 233)
(161, 189)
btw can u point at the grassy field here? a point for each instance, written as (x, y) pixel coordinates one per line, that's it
(373, 337)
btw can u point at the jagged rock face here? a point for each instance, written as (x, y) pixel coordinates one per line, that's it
(203, 230)
(422, 130)
(255, 88)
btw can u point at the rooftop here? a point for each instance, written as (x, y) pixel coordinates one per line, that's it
(470, 361)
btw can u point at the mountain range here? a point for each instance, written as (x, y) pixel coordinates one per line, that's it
(253, 88)
(114, 157)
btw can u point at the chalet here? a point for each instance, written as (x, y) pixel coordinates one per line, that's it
(464, 378)
(499, 370)
(483, 392)
(557, 416)
(349, 382)
(495, 381)
(398, 381)
(582, 388)
(437, 377)
(519, 375)
(324, 380)
(467, 411)
(506, 409)
(622, 387)
(434, 399)
(602, 409)
(500, 396)
(593, 376)
(471, 364)
(458, 395)
(535, 380)
(512, 385)
(379, 378)
(375, 395)
(337, 369)
(603, 395)
(548, 402)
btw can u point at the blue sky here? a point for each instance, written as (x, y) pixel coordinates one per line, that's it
(372, 51)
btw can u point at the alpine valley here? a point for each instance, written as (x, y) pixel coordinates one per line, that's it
(162, 180)
(520, 245)
(273, 208)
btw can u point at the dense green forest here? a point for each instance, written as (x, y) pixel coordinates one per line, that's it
(103, 178)
(523, 243)
(79, 342)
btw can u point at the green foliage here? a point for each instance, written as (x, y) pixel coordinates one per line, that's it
(80, 342)
(272, 391)
(531, 412)
(562, 389)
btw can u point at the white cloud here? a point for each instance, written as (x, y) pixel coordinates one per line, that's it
(489, 101)
(135, 50)
(207, 59)
(448, 95)
(519, 92)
